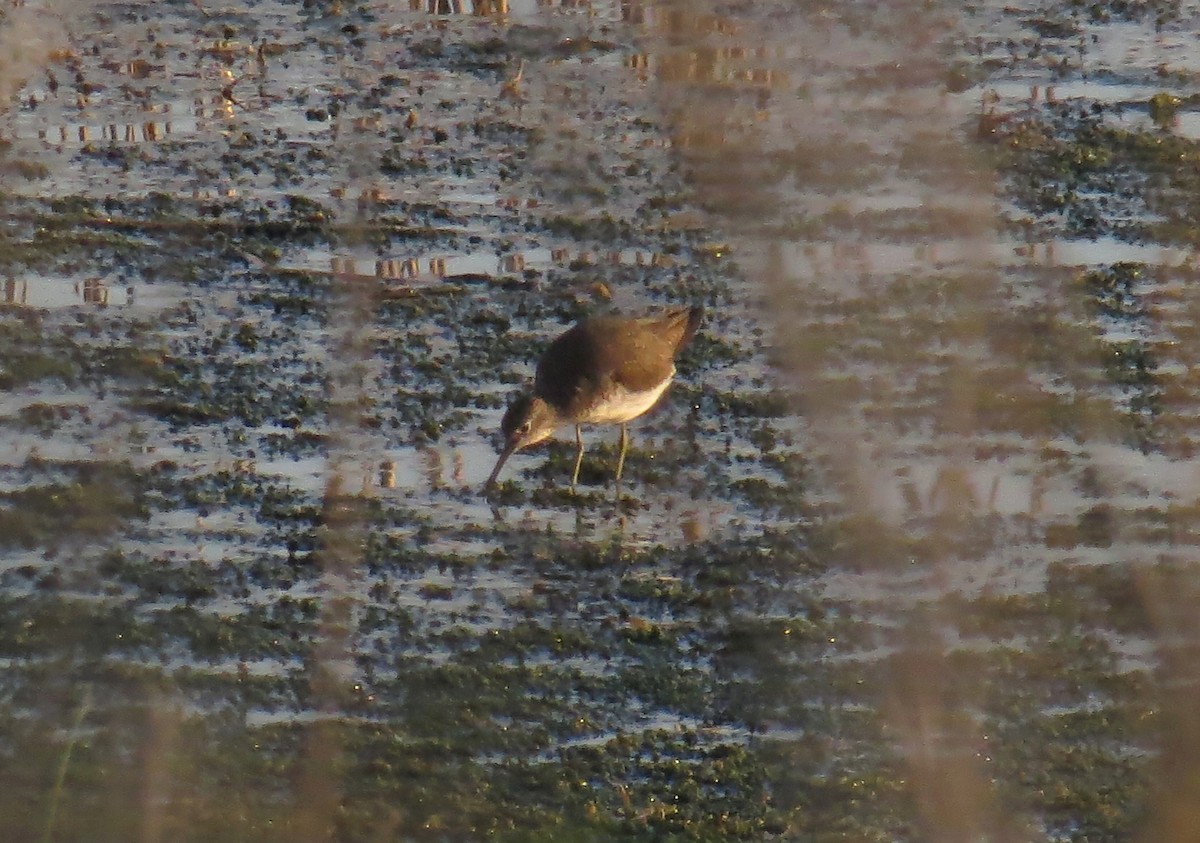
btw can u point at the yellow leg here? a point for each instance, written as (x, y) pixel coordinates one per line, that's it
(578, 456)
(621, 459)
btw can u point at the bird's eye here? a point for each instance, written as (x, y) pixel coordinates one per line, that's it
(525, 428)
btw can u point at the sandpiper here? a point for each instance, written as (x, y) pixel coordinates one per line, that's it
(603, 370)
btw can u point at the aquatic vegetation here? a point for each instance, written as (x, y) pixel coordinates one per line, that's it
(249, 417)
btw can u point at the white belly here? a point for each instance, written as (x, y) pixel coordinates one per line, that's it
(621, 405)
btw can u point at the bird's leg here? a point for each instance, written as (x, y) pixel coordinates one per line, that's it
(621, 458)
(578, 456)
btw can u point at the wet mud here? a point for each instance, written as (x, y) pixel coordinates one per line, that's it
(902, 555)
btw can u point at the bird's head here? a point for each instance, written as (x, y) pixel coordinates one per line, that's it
(527, 421)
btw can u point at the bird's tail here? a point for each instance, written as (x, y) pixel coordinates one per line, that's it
(693, 316)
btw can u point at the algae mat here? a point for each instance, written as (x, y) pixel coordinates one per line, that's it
(902, 555)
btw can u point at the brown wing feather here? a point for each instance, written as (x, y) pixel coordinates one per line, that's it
(646, 355)
(567, 370)
(634, 353)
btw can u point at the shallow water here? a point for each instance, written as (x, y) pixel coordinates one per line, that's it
(914, 520)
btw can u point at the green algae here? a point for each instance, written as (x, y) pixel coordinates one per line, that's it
(461, 699)
(96, 501)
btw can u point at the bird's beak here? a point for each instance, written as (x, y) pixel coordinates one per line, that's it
(509, 447)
